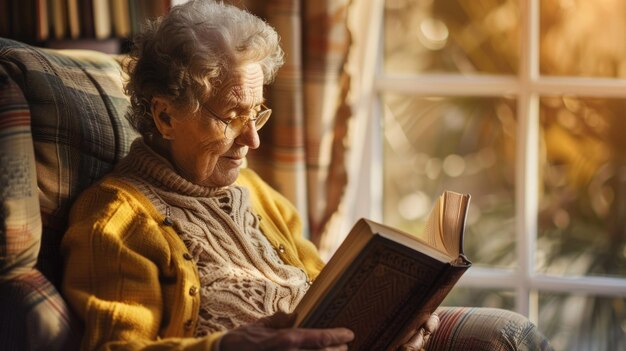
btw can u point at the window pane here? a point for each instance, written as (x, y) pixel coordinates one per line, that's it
(582, 323)
(461, 144)
(468, 297)
(582, 196)
(583, 38)
(465, 36)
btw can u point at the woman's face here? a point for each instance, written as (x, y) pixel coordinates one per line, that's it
(199, 149)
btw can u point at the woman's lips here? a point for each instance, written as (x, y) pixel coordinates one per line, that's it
(234, 160)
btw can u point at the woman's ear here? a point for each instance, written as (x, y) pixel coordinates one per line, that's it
(162, 119)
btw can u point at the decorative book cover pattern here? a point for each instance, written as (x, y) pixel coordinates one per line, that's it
(390, 283)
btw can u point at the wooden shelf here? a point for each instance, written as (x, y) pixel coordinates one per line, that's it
(109, 46)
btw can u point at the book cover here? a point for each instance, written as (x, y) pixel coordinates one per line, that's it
(383, 283)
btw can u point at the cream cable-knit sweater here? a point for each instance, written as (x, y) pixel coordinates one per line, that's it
(242, 277)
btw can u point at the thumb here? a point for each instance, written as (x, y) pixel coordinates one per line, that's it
(279, 320)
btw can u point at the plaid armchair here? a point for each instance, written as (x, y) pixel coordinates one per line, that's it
(62, 128)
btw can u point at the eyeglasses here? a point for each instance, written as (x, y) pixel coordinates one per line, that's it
(234, 127)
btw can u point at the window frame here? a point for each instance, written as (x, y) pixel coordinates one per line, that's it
(527, 87)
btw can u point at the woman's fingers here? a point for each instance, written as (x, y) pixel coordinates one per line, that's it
(416, 342)
(432, 323)
(311, 339)
(276, 333)
(421, 336)
(258, 336)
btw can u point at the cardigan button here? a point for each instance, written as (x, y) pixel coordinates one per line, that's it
(168, 221)
(193, 290)
(188, 324)
(281, 248)
(187, 256)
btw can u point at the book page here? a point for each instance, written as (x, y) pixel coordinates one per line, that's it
(446, 222)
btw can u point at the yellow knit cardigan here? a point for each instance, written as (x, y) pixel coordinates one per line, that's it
(129, 276)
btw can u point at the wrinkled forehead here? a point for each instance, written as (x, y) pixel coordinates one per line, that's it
(242, 87)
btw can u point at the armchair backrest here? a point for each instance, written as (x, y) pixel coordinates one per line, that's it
(62, 127)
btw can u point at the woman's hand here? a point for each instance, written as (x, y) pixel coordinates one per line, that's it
(420, 338)
(277, 333)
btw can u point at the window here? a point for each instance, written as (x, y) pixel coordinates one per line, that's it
(519, 103)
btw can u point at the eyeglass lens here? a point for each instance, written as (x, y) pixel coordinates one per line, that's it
(235, 127)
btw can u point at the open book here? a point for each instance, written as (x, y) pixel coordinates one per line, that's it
(383, 283)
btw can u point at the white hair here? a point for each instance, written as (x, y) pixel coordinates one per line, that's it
(185, 55)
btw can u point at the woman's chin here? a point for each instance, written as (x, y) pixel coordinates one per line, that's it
(221, 178)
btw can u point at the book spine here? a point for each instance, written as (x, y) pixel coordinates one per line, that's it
(101, 19)
(5, 19)
(135, 17)
(43, 26)
(24, 25)
(59, 18)
(120, 14)
(335, 300)
(73, 15)
(86, 16)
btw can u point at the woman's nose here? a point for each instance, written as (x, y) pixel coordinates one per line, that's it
(249, 136)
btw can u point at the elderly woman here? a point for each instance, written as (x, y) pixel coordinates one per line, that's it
(180, 247)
